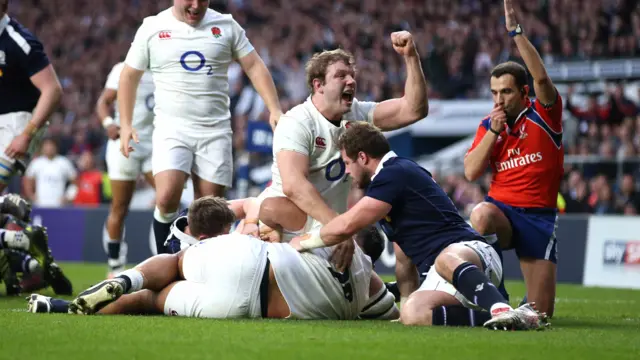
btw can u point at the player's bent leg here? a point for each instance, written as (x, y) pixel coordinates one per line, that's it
(141, 302)
(169, 185)
(540, 280)
(486, 218)
(280, 212)
(419, 308)
(153, 274)
(122, 193)
(381, 304)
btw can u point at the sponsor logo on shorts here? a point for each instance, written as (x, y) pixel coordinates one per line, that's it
(621, 252)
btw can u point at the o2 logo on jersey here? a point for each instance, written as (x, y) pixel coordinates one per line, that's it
(335, 170)
(150, 102)
(187, 65)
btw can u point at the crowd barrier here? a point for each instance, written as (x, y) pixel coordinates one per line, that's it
(592, 250)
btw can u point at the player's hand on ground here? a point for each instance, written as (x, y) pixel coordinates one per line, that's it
(403, 44)
(113, 131)
(126, 135)
(343, 255)
(273, 120)
(498, 118)
(18, 147)
(510, 15)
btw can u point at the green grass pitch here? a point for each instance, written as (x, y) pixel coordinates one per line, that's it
(591, 323)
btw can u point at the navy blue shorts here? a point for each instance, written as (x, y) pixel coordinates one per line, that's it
(534, 230)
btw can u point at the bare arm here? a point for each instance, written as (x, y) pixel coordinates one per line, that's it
(294, 169)
(545, 91)
(414, 105)
(365, 212)
(29, 188)
(127, 88)
(105, 103)
(262, 81)
(476, 161)
(47, 82)
(406, 274)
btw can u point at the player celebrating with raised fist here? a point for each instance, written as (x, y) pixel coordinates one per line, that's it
(307, 167)
(521, 140)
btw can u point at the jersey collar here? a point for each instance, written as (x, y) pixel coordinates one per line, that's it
(386, 157)
(3, 23)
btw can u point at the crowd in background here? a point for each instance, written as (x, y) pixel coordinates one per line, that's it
(459, 42)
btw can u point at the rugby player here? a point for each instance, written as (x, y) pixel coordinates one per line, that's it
(29, 93)
(124, 171)
(420, 218)
(307, 168)
(521, 141)
(188, 49)
(236, 276)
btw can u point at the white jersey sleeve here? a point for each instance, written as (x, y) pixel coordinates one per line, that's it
(241, 46)
(114, 77)
(138, 55)
(292, 134)
(363, 110)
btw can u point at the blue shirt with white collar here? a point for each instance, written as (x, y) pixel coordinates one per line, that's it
(21, 56)
(423, 220)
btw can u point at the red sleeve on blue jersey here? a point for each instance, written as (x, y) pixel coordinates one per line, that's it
(551, 114)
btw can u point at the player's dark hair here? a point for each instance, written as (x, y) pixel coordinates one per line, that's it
(371, 242)
(362, 136)
(4, 6)
(514, 69)
(316, 67)
(209, 216)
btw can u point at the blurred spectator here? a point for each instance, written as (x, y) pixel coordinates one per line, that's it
(45, 182)
(89, 181)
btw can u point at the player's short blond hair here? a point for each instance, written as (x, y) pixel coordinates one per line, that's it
(317, 66)
(209, 216)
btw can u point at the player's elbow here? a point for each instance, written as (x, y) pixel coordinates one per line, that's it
(471, 172)
(290, 188)
(53, 91)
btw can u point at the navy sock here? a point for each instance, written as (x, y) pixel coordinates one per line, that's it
(59, 306)
(113, 248)
(457, 315)
(127, 285)
(161, 232)
(475, 286)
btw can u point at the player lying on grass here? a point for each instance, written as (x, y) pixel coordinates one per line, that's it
(235, 276)
(416, 214)
(26, 263)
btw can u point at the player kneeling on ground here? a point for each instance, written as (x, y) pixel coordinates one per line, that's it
(235, 276)
(430, 233)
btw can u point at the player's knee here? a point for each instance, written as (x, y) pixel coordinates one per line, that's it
(416, 311)
(483, 217)
(381, 307)
(166, 202)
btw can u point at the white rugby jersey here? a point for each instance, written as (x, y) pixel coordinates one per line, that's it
(143, 109)
(189, 66)
(303, 129)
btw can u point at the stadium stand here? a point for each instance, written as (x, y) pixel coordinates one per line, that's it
(459, 40)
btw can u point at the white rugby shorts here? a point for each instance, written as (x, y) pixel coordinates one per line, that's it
(128, 169)
(207, 154)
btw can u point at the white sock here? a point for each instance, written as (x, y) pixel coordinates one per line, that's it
(136, 277)
(15, 239)
(164, 218)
